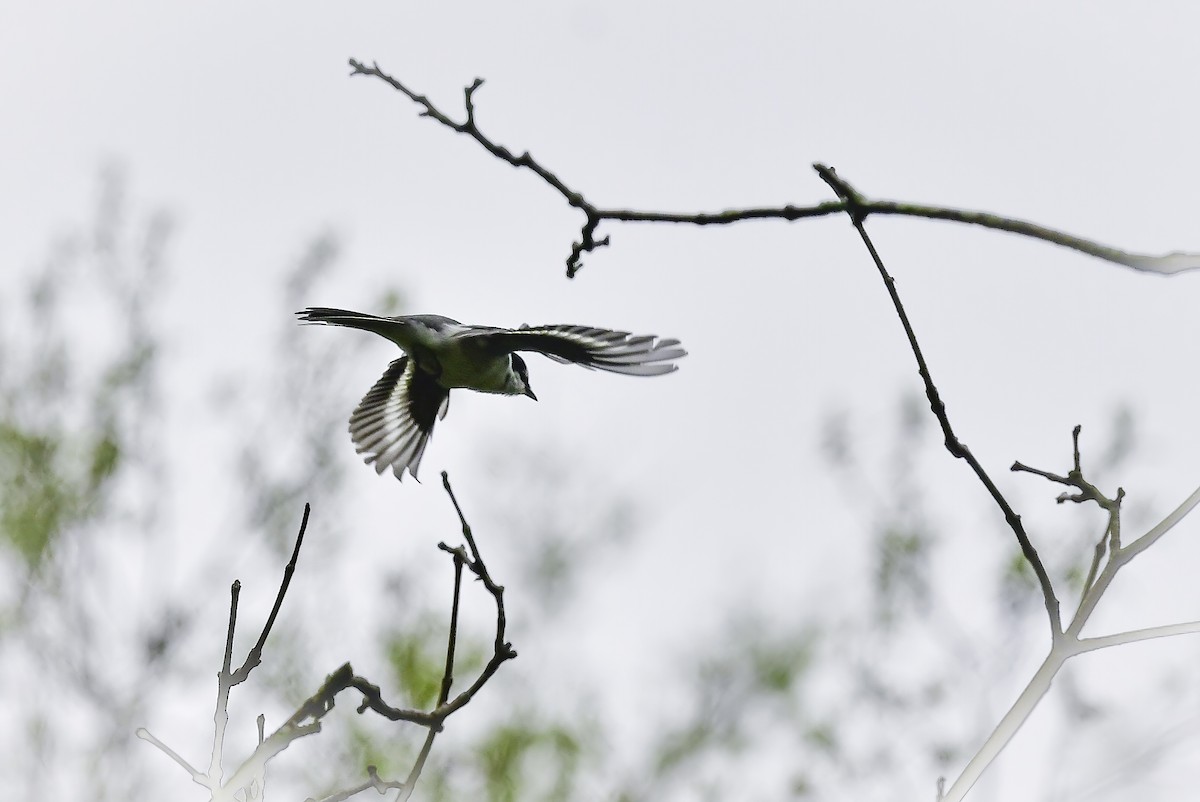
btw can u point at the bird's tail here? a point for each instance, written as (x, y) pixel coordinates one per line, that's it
(328, 316)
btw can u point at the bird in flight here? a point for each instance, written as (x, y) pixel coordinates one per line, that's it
(394, 420)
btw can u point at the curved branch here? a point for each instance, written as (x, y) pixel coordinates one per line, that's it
(956, 447)
(1166, 264)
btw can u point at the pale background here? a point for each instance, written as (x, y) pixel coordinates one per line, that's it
(241, 121)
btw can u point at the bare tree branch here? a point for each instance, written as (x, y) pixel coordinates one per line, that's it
(1111, 539)
(1069, 644)
(252, 770)
(1167, 264)
(1136, 635)
(255, 656)
(434, 719)
(249, 778)
(955, 446)
(199, 777)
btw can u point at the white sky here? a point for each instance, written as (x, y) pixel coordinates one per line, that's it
(241, 120)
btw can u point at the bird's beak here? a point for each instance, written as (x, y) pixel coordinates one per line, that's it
(529, 392)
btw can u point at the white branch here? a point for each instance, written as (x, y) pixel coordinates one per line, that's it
(1133, 636)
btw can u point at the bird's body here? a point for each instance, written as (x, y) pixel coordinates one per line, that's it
(454, 354)
(393, 422)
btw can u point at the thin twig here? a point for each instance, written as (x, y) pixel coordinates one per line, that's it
(254, 767)
(372, 699)
(1074, 478)
(198, 776)
(373, 781)
(1121, 557)
(955, 446)
(1162, 527)
(255, 656)
(1167, 264)
(1110, 541)
(477, 567)
(410, 783)
(221, 714)
(1136, 635)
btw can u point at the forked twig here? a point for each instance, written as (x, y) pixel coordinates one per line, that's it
(1071, 644)
(434, 719)
(249, 778)
(227, 678)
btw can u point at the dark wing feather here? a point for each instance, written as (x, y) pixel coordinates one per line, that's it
(325, 315)
(393, 422)
(600, 349)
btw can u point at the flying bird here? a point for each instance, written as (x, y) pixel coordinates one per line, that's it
(393, 422)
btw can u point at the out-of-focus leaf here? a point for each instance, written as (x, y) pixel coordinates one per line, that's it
(530, 762)
(35, 502)
(417, 657)
(679, 747)
(416, 667)
(778, 664)
(824, 736)
(106, 454)
(902, 576)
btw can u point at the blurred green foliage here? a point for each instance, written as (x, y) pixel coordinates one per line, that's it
(71, 413)
(36, 500)
(523, 762)
(80, 424)
(417, 658)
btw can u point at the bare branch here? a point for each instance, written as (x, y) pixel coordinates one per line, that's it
(1162, 527)
(373, 700)
(255, 656)
(1069, 643)
(1136, 635)
(199, 777)
(434, 719)
(1122, 556)
(1074, 478)
(373, 781)
(227, 679)
(1097, 582)
(1167, 264)
(221, 713)
(252, 770)
(955, 446)
(410, 782)
(475, 564)
(1110, 541)
(307, 718)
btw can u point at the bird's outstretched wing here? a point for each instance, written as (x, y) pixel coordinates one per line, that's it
(601, 349)
(393, 422)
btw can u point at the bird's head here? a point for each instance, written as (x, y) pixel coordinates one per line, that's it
(519, 378)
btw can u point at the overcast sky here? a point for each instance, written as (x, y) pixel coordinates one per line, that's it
(240, 119)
